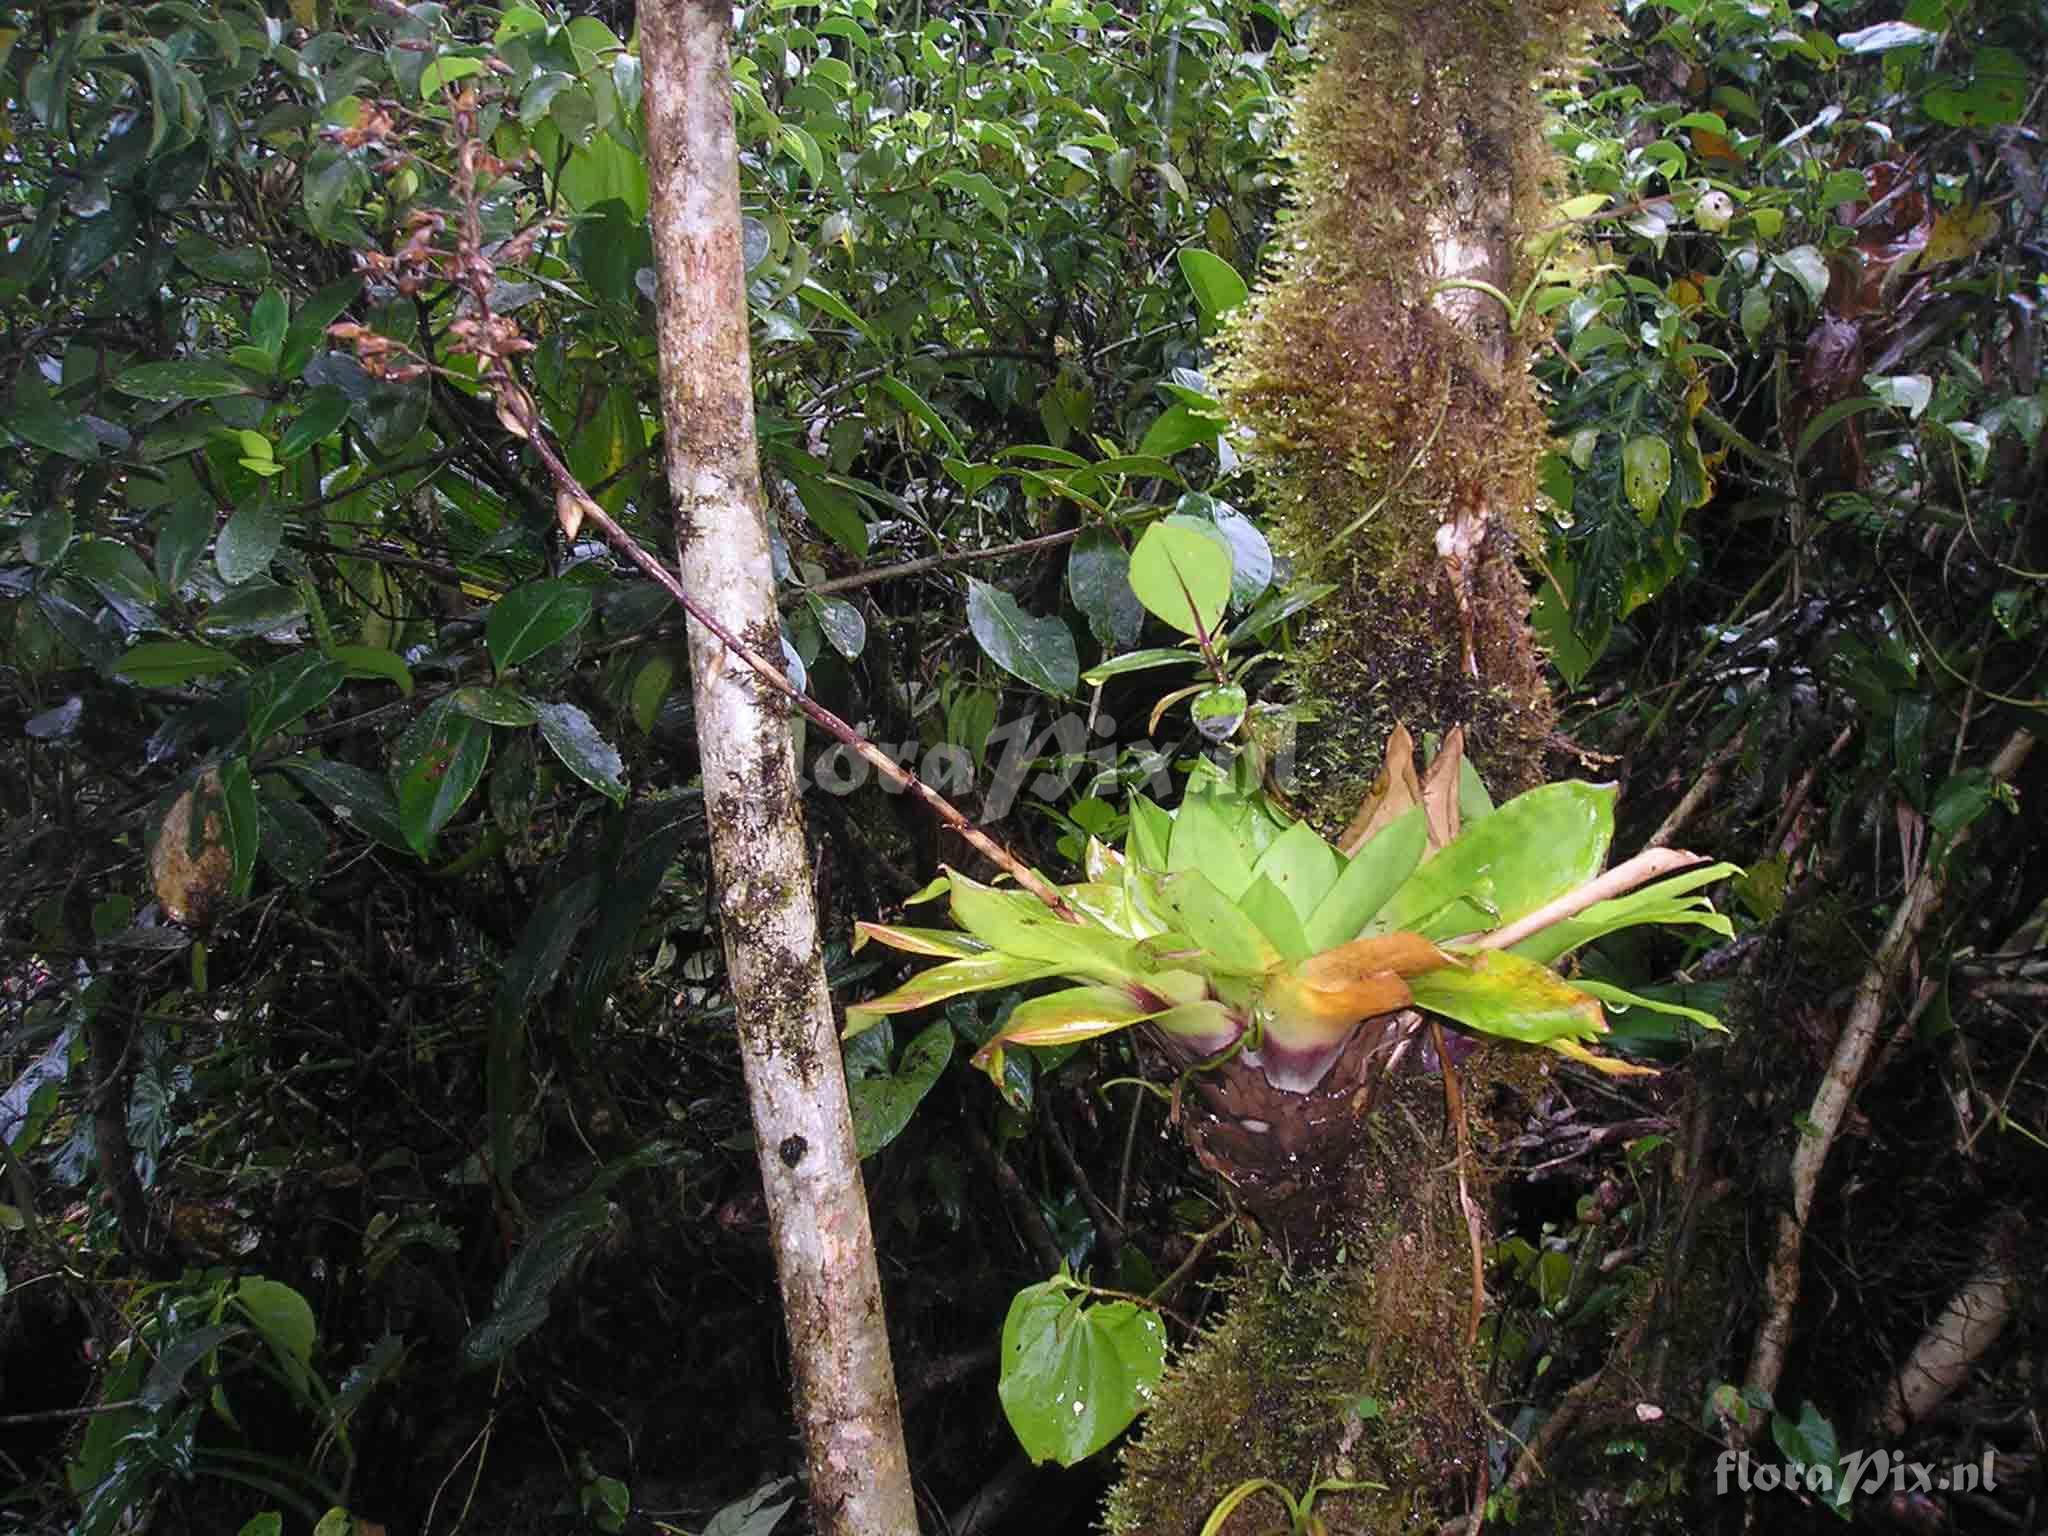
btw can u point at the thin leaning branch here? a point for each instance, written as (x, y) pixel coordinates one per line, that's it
(575, 507)
(1831, 1100)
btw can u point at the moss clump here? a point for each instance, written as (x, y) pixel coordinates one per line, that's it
(1381, 406)
(1355, 1372)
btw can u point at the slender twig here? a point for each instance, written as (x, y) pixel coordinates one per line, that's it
(929, 563)
(1650, 864)
(1831, 1100)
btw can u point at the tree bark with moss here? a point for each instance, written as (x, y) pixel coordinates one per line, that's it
(1387, 406)
(1388, 412)
(858, 1473)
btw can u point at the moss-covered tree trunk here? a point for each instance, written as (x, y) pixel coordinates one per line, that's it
(1396, 434)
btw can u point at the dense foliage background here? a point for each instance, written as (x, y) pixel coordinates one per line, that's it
(372, 1132)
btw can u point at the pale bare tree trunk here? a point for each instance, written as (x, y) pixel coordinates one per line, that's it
(818, 1215)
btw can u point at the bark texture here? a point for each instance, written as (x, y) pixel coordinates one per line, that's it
(1388, 411)
(859, 1480)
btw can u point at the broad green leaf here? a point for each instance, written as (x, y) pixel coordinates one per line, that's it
(285, 1319)
(650, 689)
(249, 542)
(842, 625)
(1218, 712)
(1375, 872)
(1276, 607)
(1180, 427)
(294, 842)
(435, 766)
(1098, 580)
(1074, 1376)
(1205, 837)
(46, 426)
(493, 706)
(529, 619)
(1270, 910)
(287, 691)
(1215, 283)
(445, 70)
(324, 410)
(168, 663)
(1215, 922)
(1302, 867)
(883, 1104)
(1038, 650)
(267, 319)
(308, 330)
(357, 798)
(583, 751)
(1509, 998)
(1533, 849)
(1181, 576)
(254, 610)
(244, 265)
(362, 661)
(1805, 264)
(46, 536)
(835, 510)
(195, 379)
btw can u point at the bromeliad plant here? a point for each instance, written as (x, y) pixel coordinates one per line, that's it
(1229, 928)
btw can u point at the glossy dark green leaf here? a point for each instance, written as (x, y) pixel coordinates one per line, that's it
(182, 539)
(249, 541)
(358, 799)
(324, 410)
(529, 619)
(1038, 650)
(583, 751)
(434, 767)
(1075, 1375)
(51, 427)
(286, 691)
(1098, 580)
(308, 330)
(254, 610)
(360, 661)
(1179, 427)
(493, 706)
(882, 1104)
(46, 536)
(170, 663)
(294, 842)
(194, 379)
(242, 265)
